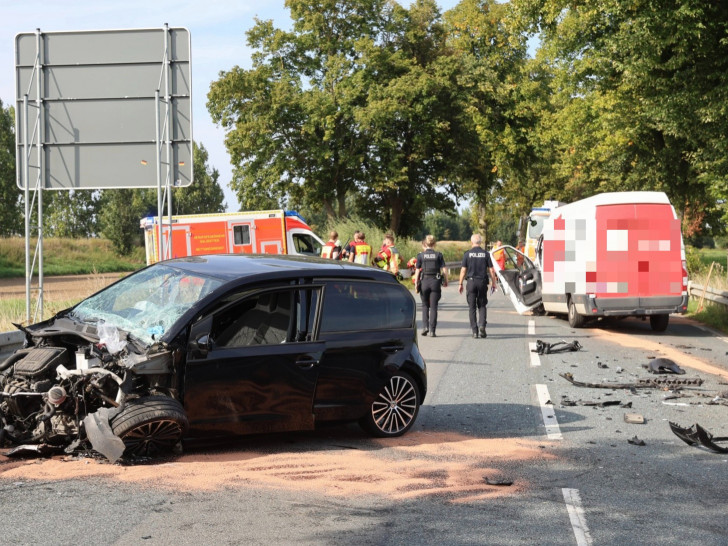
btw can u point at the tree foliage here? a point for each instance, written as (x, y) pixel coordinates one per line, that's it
(11, 216)
(639, 98)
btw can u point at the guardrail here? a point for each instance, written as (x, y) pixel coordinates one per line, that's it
(696, 290)
(9, 342)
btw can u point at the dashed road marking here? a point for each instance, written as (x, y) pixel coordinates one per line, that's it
(535, 360)
(576, 516)
(547, 413)
(531, 327)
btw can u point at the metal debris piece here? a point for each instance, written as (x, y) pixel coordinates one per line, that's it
(698, 436)
(636, 441)
(502, 482)
(663, 365)
(647, 383)
(626, 405)
(634, 418)
(570, 403)
(544, 348)
(34, 450)
(602, 366)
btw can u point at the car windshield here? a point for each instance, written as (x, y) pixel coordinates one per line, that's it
(307, 245)
(148, 303)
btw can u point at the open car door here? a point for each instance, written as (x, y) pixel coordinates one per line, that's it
(519, 277)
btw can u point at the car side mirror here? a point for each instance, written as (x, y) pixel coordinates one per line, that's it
(200, 341)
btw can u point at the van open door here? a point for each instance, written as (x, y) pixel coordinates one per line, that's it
(519, 277)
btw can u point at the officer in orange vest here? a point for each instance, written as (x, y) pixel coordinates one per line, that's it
(332, 248)
(361, 251)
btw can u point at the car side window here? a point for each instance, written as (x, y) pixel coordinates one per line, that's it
(266, 318)
(362, 305)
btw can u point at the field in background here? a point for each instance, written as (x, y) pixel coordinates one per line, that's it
(63, 256)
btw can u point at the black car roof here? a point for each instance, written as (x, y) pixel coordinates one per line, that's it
(230, 267)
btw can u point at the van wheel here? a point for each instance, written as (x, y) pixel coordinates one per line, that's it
(575, 319)
(150, 426)
(395, 409)
(659, 322)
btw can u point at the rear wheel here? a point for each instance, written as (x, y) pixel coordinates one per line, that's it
(659, 322)
(575, 319)
(150, 426)
(395, 409)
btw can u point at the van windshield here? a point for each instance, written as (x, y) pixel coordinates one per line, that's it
(534, 231)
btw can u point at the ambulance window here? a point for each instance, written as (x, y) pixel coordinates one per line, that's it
(305, 244)
(241, 234)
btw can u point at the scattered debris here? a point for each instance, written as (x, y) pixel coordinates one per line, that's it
(34, 450)
(663, 365)
(602, 366)
(619, 369)
(647, 383)
(634, 419)
(626, 405)
(498, 482)
(636, 441)
(698, 436)
(569, 403)
(544, 348)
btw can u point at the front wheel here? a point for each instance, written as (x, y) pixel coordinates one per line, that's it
(575, 319)
(150, 426)
(395, 409)
(659, 322)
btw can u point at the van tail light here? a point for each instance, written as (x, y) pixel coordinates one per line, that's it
(684, 277)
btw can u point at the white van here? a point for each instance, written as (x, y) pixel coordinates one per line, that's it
(612, 254)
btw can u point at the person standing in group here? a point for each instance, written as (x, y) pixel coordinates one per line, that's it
(475, 268)
(332, 248)
(388, 257)
(361, 251)
(346, 251)
(500, 256)
(431, 273)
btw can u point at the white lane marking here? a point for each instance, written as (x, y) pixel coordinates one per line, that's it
(531, 327)
(576, 516)
(547, 413)
(535, 360)
(708, 330)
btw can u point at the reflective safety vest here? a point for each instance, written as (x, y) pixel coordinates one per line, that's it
(388, 259)
(362, 252)
(331, 251)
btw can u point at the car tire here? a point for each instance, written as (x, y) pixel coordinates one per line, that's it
(659, 322)
(395, 408)
(575, 319)
(150, 426)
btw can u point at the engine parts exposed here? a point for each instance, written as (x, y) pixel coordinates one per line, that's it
(698, 436)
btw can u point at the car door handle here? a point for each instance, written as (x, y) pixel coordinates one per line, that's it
(306, 363)
(392, 348)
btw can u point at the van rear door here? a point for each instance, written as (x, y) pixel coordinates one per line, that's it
(519, 277)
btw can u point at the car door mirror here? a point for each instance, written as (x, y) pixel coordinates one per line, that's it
(200, 341)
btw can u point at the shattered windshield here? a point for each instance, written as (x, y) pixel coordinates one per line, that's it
(148, 303)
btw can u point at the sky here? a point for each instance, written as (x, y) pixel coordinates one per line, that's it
(217, 35)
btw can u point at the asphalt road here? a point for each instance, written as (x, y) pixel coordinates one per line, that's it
(494, 412)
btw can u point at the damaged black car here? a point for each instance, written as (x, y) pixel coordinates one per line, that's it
(210, 347)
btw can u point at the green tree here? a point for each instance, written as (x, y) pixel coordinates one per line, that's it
(289, 119)
(11, 215)
(204, 195)
(640, 101)
(70, 213)
(503, 98)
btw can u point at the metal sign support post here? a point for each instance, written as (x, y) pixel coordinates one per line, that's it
(168, 128)
(25, 170)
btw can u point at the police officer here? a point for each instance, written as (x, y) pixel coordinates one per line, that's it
(475, 268)
(431, 273)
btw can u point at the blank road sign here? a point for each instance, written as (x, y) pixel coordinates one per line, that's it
(91, 97)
